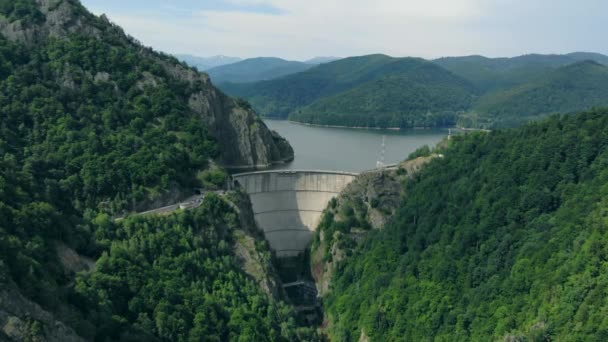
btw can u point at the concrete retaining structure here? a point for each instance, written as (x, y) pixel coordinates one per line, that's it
(288, 204)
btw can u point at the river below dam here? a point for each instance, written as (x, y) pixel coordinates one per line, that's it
(352, 150)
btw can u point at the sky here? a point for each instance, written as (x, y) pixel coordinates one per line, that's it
(302, 29)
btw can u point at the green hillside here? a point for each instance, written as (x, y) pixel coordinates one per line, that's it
(278, 98)
(283, 96)
(502, 239)
(93, 126)
(473, 91)
(425, 96)
(255, 69)
(568, 89)
(490, 74)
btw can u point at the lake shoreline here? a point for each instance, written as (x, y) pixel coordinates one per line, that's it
(362, 128)
(351, 150)
(394, 129)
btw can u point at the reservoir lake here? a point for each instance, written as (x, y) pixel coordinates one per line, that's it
(346, 149)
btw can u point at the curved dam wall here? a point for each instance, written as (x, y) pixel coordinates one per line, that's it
(288, 204)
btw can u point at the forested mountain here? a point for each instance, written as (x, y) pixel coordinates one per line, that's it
(503, 237)
(425, 96)
(178, 278)
(94, 125)
(321, 60)
(255, 69)
(489, 74)
(473, 91)
(206, 63)
(569, 89)
(381, 75)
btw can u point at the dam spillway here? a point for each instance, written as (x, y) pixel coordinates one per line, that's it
(288, 204)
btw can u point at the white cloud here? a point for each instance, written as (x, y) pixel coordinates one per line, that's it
(307, 28)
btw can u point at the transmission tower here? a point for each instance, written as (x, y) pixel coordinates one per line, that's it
(381, 163)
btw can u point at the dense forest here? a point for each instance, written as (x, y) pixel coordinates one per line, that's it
(423, 97)
(492, 74)
(473, 91)
(112, 142)
(93, 125)
(569, 89)
(177, 278)
(375, 82)
(502, 238)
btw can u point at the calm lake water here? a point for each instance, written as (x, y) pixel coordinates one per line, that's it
(353, 150)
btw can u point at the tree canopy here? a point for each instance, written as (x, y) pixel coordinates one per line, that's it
(503, 238)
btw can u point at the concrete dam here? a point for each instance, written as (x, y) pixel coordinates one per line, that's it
(288, 204)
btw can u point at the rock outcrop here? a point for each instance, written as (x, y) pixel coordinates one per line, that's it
(252, 249)
(24, 320)
(243, 138)
(366, 204)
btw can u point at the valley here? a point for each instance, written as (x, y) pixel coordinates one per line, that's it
(146, 197)
(379, 91)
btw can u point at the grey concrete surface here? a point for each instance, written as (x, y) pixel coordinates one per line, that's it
(288, 204)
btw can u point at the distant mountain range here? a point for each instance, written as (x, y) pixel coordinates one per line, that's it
(206, 63)
(321, 60)
(499, 73)
(375, 90)
(567, 89)
(253, 69)
(256, 69)
(382, 91)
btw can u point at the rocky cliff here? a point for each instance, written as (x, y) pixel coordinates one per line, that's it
(24, 320)
(243, 139)
(252, 249)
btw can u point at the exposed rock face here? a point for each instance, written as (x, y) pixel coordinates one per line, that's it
(255, 262)
(243, 138)
(23, 320)
(374, 197)
(62, 17)
(72, 262)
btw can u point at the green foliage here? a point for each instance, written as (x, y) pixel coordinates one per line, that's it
(491, 74)
(423, 151)
(92, 126)
(368, 91)
(336, 225)
(25, 10)
(473, 91)
(425, 97)
(176, 278)
(123, 140)
(214, 178)
(504, 238)
(566, 90)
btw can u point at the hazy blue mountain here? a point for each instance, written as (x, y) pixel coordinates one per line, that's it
(378, 78)
(206, 63)
(581, 56)
(423, 95)
(499, 73)
(321, 60)
(255, 69)
(568, 89)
